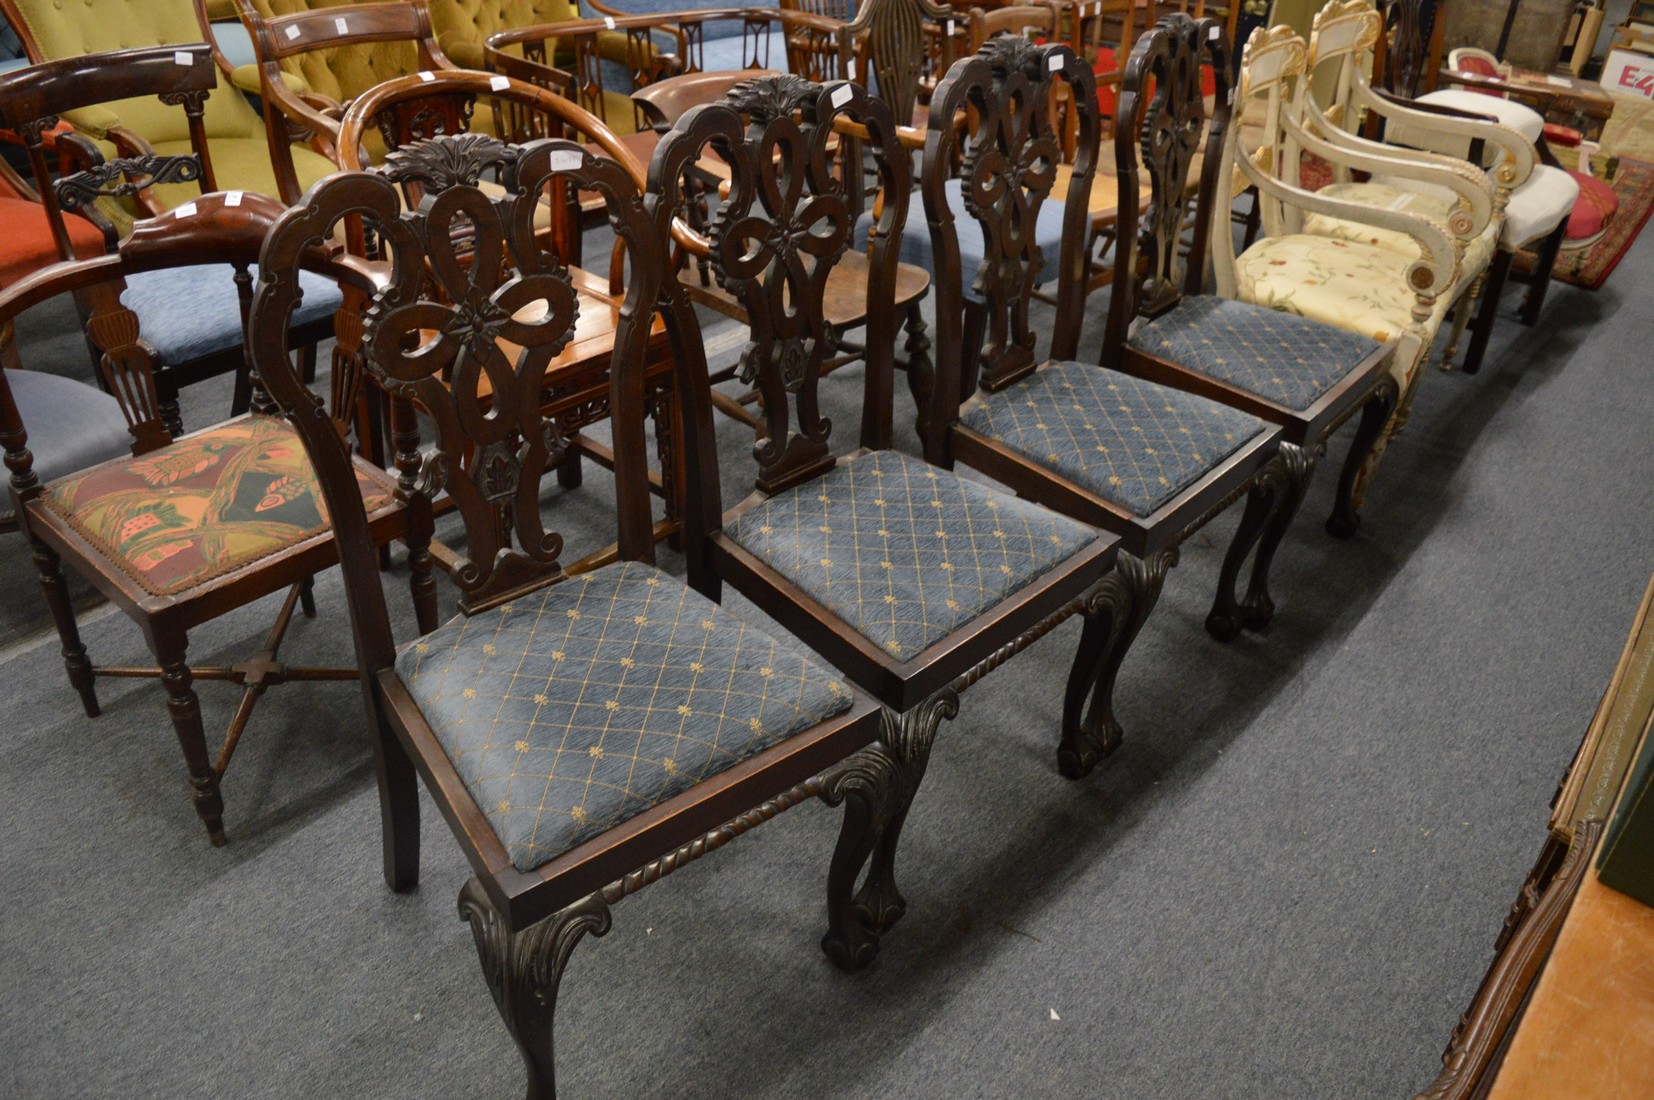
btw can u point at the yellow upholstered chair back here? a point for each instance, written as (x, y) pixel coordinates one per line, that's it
(344, 72)
(462, 26)
(55, 29)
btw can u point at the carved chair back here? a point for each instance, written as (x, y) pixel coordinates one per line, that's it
(1342, 42)
(842, 10)
(995, 116)
(1273, 63)
(33, 99)
(1162, 108)
(898, 49)
(470, 342)
(785, 225)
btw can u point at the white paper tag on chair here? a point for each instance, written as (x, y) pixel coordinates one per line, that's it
(292, 33)
(609, 22)
(427, 77)
(850, 69)
(341, 26)
(184, 58)
(185, 211)
(1214, 34)
(949, 26)
(564, 160)
(232, 198)
(1054, 62)
(498, 83)
(842, 94)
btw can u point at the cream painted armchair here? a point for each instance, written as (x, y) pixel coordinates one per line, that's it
(1384, 293)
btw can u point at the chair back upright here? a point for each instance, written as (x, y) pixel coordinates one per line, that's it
(464, 324)
(31, 100)
(778, 236)
(904, 46)
(1163, 118)
(994, 116)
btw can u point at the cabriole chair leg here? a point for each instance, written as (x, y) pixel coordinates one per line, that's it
(1263, 500)
(1299, 465)
(1122, 600)
(1344, 521)
(524, 970)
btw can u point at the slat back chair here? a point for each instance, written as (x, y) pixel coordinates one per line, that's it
(577, 378)
(188, 529)
(336, 52)
(1149, 462)
(912, 581)
(186, 324)
(585, 731)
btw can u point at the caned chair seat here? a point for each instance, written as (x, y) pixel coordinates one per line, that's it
(1360, 287)
(916, 244)
(1413, 196)
(903, 552)
(189, 313)
(579, 706)
(1130, 441)
(1283, 358)
(204, 505)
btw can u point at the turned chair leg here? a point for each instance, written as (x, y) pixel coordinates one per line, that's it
(421, 577)
(877, 787)
(1298, 464)
(921, 372)
(1114, 613)
(185, 707)
(1482, 331)
(1344, 521)
(1462, 310)
(570, 475)
(1544, 265)
(525, 969)
(75, 661)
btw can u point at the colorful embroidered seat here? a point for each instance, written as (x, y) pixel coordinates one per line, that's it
(204, 505)
(574, 708)
(1130, 441)
(903, 552)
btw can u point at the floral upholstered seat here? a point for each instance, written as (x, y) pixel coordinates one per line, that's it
(1278, 356)
(202, 506)
(580, 705)
(903, 552)
(1130, 441)
(1413, 196)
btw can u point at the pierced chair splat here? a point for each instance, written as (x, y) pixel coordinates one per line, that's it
(584, 730)
(1146, 461)
(913, 581)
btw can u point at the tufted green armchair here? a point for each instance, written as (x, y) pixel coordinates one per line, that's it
(463, 25)
(236, 141)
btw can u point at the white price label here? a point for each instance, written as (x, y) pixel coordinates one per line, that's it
(498, 83)
(949, 26)
(850, 69)
(292, 32)
(427, 76)
(1214, 34)
(233, 198)
(564, 160)
(1054, 62)
(341, 26)
(609, 22)
(184, 58)
(842, 94)
(185, 211)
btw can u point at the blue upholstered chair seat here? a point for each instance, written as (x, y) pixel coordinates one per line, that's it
(903, 552)
(72, 426)
(576, 707)
(1280, 357)
(916, 246)
(1134, 443)
(188, 313)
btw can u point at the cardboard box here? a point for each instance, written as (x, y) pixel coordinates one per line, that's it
(1627, 73)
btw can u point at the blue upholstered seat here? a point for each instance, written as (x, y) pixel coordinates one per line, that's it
(72, 426)
(581, 705)
(903, 552)
(1132, 442)
(188, 313)
(916, 246)
(1281, 357)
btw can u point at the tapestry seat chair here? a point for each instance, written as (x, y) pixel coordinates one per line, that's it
(913, 581)
(577, 379)
(236, 140)
(1382, 293)
(1149, 462)
(183, 530)
(190, 321)
(1342, 49)
(585, 728)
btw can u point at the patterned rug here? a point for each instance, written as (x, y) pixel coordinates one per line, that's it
(1634, 184)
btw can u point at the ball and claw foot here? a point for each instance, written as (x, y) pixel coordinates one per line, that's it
(1343, 525)
(1097, 741)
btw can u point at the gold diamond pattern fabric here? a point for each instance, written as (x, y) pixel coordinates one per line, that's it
(903, 552)
(1132, 442)
(1282, 357)
(581, 705)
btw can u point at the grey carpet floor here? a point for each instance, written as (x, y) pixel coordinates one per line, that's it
(1286, 884)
